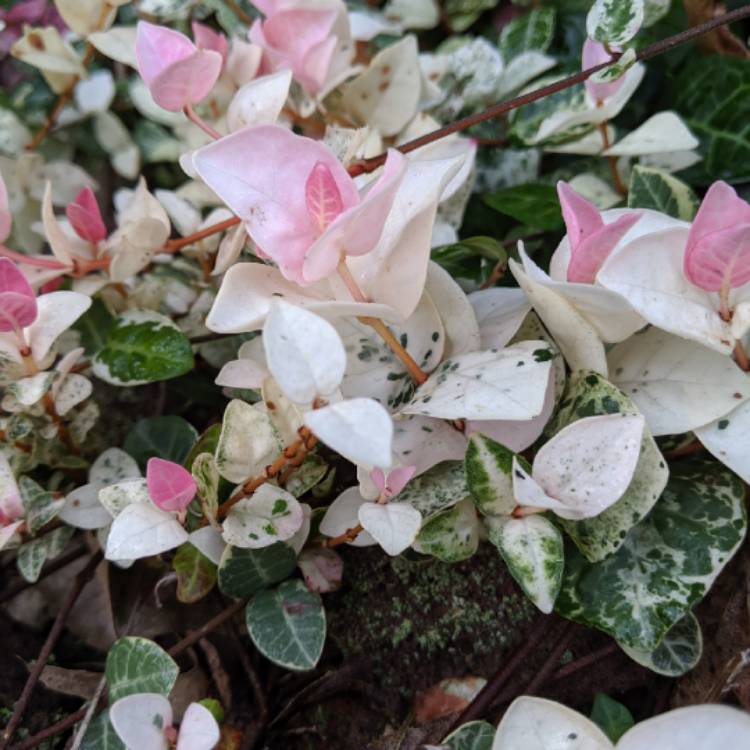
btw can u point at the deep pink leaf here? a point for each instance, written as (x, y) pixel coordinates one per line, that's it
(170, 485)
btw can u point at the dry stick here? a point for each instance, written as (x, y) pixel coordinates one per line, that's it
(75, 591)
(612, 160)
(563, 637)
(585, 661)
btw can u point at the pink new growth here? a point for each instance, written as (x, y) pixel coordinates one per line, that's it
(396, 480)
(206, 38)
(170, 486)
(17, 299)
(594, 53)
(717, 256)
(177, 73)
(591, 240)
(85, 218)
(297, 200)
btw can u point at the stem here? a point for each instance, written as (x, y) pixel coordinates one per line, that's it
(201, 123)
(348, 536)
(172, 246)
(658, 48)
(740, 356)
(725, 310)
(415, 371)
(612, 160)
(27, 260)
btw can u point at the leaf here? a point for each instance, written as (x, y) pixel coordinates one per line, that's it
(652, 188)
(169, 437)
(615, 21)
(142, 530)
(199, 729)
(463, 258)
(288, 625)
(439, 488)
(452, 535)
(138, 665)
(303, 351)
(665, 564)
(243, 572)
(40, 506)
(616, 70)
(531, 31)
(462, 13)
(727, 438)
(494, 384)
(141, 720)
(588, 394)
(394, 526)
(678, 385)
(474, 735)
(101, 734)
(143, 347)
(269, 515)
(196, 574)
(360, 429)
(536, 206)
(532, 548)
(679, 651)
(612, 717)
(664, 132)
(207, 478)
(32, 555)
(488, 466)
(94, 327)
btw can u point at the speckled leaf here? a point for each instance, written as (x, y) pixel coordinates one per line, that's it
(288, 625)
(531, 31)
(138, 665)
(665, 564)
(243, 572)
(652, 188)
(615, 21)
(101, 734)
(475, 735)
(532, 547)
(312, 471)
(452, 535)
(143, 347)
(206, 475)
(32, 555)
(589, 394)
(196, 574)
(679, 651)
(617, 69)
(439, 488)
(488, 467)
(39, 505)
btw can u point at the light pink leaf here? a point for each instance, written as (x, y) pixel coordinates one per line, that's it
(157, 47)
(18, 307)
(594, 53)
(206, 38)
(396, 480)
(718, 246)
(85, 218)
(322, 196)
(322, 569)
(170, 485)
(582, 218)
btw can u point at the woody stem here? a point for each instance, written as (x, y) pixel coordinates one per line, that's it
(418, 375)
(612, 160)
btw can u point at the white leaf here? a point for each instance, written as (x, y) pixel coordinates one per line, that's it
(269, 515)
(677, 385)
(342, 515)
(260, 101)
(118, 43)
(95, 93)
(663, 132)
(117, 497)
(85, 16)
(140, 720)
(242, 373)
(113, 465)
(304, 352)
(57, 312)
(198, 729)
(142, 530)
(209, 542)
(83, 510)
(728, 437)
(423, 442)
(507, 384)
(528, 493)
(707, 727)
(60, 243)
(360, 429)
(74, 390)
(394, 526)
(615, 21)
(588, 465)
(541, 724)
(500, 312)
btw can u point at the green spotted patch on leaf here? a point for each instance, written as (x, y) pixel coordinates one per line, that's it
(615, 21)
(138, 665)
(475, 735)
(288, 625)
(143, 347)
(101, 734)
(33, 554)
(667, 562)
(655, 189)
(531, 31)
(588, 394)
(243, 572)
(437, 489)
(452, 535)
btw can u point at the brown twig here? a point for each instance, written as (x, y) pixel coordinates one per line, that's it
(612, 160)
(585, 661)
(561, 639)
(172, 246)
(685, 450)
(55, 632)
(348, 536)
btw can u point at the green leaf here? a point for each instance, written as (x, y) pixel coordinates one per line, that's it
(464, 259)
(138, 665)
(156, 143)
(143, 347)
(32, 555)
(196, 574)
(312, 471)
(207, 443)
(207, 480)
(615, 21)
(588, 394)
(169, 437)
(101, 734)
(488, 467)
(216, 709)
(243, 572)
(617, 69)
(679, 651)
(440, 487)
(39, 506)
(288, 625)
(667, 562)
(652, 188)
(532, 31)
(94, 327)
(613, 718)
(475, 735)
(533, 550)
(462, 13)
(452, 535)
(536, 206)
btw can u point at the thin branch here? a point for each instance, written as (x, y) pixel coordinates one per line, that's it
(55, 632)
(562, 640)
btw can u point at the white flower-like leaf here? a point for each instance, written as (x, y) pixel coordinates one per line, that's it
(140, 720)
(343, 514)
(142, 530)
(198, 729)
(394, 526)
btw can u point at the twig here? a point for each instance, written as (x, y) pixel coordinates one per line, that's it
(215, 622)
(348, 536)
(257, 726)
(57, 627)
(612, 160)
(81, 731)
(585, 661)
(172, 246)
(562, 638)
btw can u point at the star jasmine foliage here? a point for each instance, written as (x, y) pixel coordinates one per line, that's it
(278, 283)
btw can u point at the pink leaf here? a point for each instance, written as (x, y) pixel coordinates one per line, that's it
(396, 480)
(582, 218)
(322, 569)
(170, 486)
(85, 218)
(206, 38)
(18, 307)
(718, 247)
(322, 196)
(594, 53)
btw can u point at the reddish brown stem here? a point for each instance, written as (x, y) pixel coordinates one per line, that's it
(172, 246)
(740, 356)
(348, 536)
